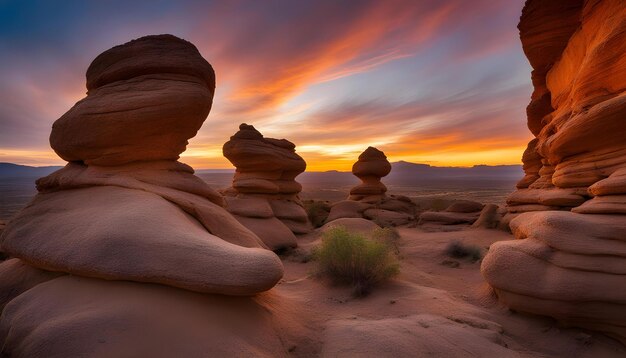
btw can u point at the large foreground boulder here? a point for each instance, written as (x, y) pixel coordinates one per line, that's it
(80, 317)
(105, 257)
(569, 210)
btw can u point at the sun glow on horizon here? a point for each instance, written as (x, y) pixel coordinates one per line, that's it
(426, 82)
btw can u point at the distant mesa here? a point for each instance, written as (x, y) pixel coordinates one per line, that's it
(124, 231)
(569, 210)
(264, 194)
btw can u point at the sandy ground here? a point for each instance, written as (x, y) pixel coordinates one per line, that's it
(425, 286)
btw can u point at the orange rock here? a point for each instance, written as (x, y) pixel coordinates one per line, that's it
(266, 172)
(371, 166)
(145, 99)
(570, 265)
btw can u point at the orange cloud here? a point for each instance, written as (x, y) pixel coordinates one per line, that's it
(423, 80)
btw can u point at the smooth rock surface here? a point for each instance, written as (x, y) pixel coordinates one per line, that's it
(145, 99)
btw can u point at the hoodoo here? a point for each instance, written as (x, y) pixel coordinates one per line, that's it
(264, 195)
(125, 232)
(369, 199)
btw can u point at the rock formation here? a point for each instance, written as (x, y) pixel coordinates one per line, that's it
(369, 200)
(459, 212)
(124, 232)
(371, 166)
(264, 195)
(570, 264)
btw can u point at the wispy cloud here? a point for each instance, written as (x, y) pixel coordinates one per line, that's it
(418, 78)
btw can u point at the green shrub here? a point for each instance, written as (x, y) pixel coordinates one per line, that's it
(317, 211)
(458, 250)
(351, 258)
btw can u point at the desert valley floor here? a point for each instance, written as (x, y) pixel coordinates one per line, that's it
(430, 308)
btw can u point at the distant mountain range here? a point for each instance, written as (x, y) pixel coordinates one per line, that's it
(412, 173)
(402, 172)
(10, 170)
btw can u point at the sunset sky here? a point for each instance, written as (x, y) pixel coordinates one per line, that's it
(442, 82)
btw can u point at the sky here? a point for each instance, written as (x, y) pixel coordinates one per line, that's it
(441, 82)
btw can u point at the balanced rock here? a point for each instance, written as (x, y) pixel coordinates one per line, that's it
(163, 88)
(129, 230)
(569, 264)
(369, 200)
(264, 195)
(371, 166)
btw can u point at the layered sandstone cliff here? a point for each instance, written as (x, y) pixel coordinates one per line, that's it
(569, 264)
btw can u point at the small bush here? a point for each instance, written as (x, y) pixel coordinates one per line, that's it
(317, 211)
(350, 258)
(458, 250)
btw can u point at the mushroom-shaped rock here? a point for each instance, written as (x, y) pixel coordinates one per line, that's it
(264, 195)
(124, 219)
(371, 166)
(124, 208)
(368, 199)
(264, 165)
(145, 99)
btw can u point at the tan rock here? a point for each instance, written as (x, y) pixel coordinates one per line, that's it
(135, 230)
(387, 217)
(347, 209)
(465, 206)
(250, 207)
(489, 218)
(18, 277)
(264, 165)
(447, 218)
(266, 171)
(79, 317)
(117, 233)
(124, 209)
(609, 204)
(568, 259)
(273, 232)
